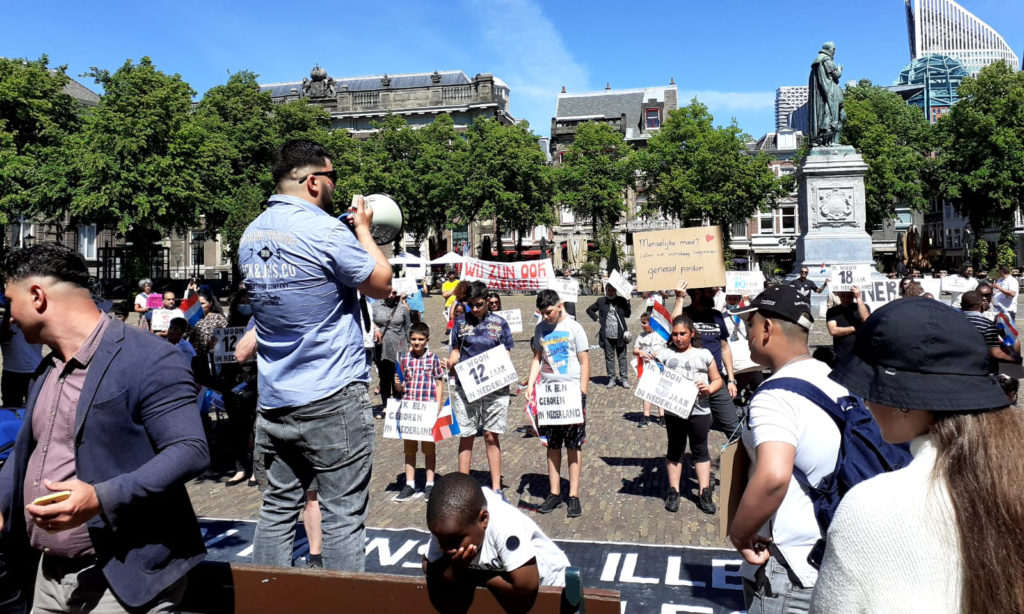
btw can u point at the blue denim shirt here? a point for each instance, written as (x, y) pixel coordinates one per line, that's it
(301, 267)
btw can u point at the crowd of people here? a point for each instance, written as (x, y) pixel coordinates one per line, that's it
(94, 498)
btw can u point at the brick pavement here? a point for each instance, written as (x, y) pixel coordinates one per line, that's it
(623, 478)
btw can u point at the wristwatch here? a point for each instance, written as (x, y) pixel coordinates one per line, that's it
(732, 381)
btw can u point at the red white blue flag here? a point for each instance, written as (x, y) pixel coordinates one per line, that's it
(446, 425)
(191, 309)
(661, 321)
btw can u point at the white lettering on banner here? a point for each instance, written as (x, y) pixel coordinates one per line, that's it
(413, 420)
(744, 283)
(161, 319)
(227, 340)
(528, 275)
(668, 390)
(672, 577)
(404, 285)
(611, 563)
(846, 276)
(514, 317)
(724, 570)
(383, 547)
(559, 403)
(628, 573)
(484, 373)
(622, 287)
(955, 284)
(568, 289)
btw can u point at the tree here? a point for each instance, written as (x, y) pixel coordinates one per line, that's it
(439, 169)
(507, 179)
(387, 165)
(895, 140)
(981, 157)
(697, 172)
(594, 175)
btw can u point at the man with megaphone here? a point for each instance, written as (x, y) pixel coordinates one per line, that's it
(302, 269)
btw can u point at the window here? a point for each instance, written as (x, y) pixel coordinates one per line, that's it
(87, 241)
(653, 118)
(788, 219)
(24, 232)
(568, 217)
(739, 230)
(766, 223)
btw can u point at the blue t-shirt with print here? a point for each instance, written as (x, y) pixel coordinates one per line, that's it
(471, 336)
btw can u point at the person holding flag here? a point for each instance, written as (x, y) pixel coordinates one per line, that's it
(645, 347)
(805, 286)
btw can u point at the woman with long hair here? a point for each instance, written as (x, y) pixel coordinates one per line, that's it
(943, 534)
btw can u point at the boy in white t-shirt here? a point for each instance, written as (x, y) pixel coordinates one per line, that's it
(644, 348)
(477, 539)
(175, 334)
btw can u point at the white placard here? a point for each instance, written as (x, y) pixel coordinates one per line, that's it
(931, 285)
(744, 283)
(227, 341)
(955, 284)
(668, 389)
(484, 373)
(413, 420)
(845, 276)
(415, 271)
(568, 289)
(559, 403)
(161, 319)
(514, 317)
(622, 287)
(404, 285)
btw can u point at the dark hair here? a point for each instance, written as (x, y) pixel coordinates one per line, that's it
(180, 323)
(297, 154)
(460, 291)
(234, 317)
(48, 260)
(1005, 270)
(455, 496)
(477, 290)
(207, 295)
(547, 298)
(1010, 385)
(495, 296)
(964, 267)
(826, 355)
(645, 317)
(970, 300)
(420, 328)
(695, 340)
(912, 289)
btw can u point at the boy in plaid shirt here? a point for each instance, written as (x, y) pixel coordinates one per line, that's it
(415, 381)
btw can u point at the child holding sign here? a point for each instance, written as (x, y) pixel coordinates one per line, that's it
(685, 355)
(644, 349)
(561, 354)
(418, 378)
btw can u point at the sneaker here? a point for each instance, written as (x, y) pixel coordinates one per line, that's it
(552, 503)
(644, 422)
(314, 561)
(426, 491)
(575, 509)
(705, 503)
(672, 500)
(407, 492)
(610, 383)
(661, 421)
(624, 382)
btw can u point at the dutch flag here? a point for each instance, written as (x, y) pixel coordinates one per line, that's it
(823, 269)
(446, 425)
(191, 309)
(661, 321)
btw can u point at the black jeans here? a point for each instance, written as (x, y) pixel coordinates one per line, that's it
(614, 350)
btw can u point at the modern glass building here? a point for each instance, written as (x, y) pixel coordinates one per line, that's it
(943, 26)
(930, 82)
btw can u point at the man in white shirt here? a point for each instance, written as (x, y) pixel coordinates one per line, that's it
(1005, 298)
(775, 528)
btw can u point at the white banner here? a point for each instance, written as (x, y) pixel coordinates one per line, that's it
(622, 287)
(845, 276)
(404, 285)
(227, 340)
(485, 373)
(524, 275)
(668, 389)
(559, 403)
(410, 420)
(514, 317)
(568, 289)
(744, 283)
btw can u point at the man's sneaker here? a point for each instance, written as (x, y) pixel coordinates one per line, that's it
(644, 422)
(575, 509)
(407, 492)
(705, 503)
(552, 503)
(624, 382)
(426, 491)
(610, 383)
(672, 500)
(661, 421)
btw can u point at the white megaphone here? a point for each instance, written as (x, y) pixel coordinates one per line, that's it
(387, 218)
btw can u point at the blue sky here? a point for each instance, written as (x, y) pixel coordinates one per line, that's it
(731, 54)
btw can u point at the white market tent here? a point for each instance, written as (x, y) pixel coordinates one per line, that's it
(408, 259)
(449, 258)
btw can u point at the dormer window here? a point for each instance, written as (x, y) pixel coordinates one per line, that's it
(653, 116)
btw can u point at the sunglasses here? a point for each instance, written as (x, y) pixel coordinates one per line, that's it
(331, 174)
(478, 305)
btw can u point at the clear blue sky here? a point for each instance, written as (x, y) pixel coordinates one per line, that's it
(731, 54)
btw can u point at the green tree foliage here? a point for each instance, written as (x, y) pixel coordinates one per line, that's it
(439, 169)
(388, 158)
(981, 158)
(36, 120)
(698, 172)
(895, 140)
(593, 177)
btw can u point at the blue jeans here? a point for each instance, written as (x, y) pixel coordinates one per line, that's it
(775, 591)
(331, 440)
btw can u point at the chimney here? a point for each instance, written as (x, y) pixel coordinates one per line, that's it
(607, 86)
(671, 80)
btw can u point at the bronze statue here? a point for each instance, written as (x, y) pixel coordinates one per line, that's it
(825, 111)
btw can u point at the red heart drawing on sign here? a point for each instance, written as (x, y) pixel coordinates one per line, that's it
(709, 238)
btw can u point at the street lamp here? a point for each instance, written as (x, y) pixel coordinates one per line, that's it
(197, 244)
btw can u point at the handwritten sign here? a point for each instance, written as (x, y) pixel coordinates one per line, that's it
(484, 373)
(664, 257)
(744, 283)
(559, 403)
(669, 390)
(413, 420)
(514, 317)
(846, 276)
(155, 300)
(622, 287)
(527, 275)
(227, 340)
(161, 319)
(404, 285)
(955, 284)
(568, 289)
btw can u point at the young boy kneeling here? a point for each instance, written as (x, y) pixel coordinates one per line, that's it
(477, 539)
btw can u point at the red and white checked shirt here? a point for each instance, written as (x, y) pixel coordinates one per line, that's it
(419, 375)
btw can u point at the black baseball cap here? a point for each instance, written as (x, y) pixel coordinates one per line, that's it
(781, 301)
(917, 353)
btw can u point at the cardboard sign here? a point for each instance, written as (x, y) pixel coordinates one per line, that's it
(744, 283)
(735, 465)
(955, 284)
(404, 285)
(155, 300)
(161, 319)
(514, 317)
(622, 287)
(484, 373)
(412, 420)
(227, 340)
(527, 275)
(846, 276)
(668, 389)
(568, 289)
(664, 257)
(559, 403)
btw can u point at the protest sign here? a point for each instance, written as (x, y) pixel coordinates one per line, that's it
(845, 276)
(568, 289)
(526, 275)
(161, 319)
(955, 284)
(404, 285)
(412, 420)
(744, 283)
(931, 285)
(155, 300)
(668, 389)
(484, 373)
(664, 257)
(514, 317)
(227, 339)
(559, 403)
(622, 287)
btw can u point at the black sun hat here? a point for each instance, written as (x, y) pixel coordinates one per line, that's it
(917, 353)
(781, 301)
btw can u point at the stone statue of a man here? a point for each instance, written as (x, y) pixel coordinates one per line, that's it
(825, 99)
